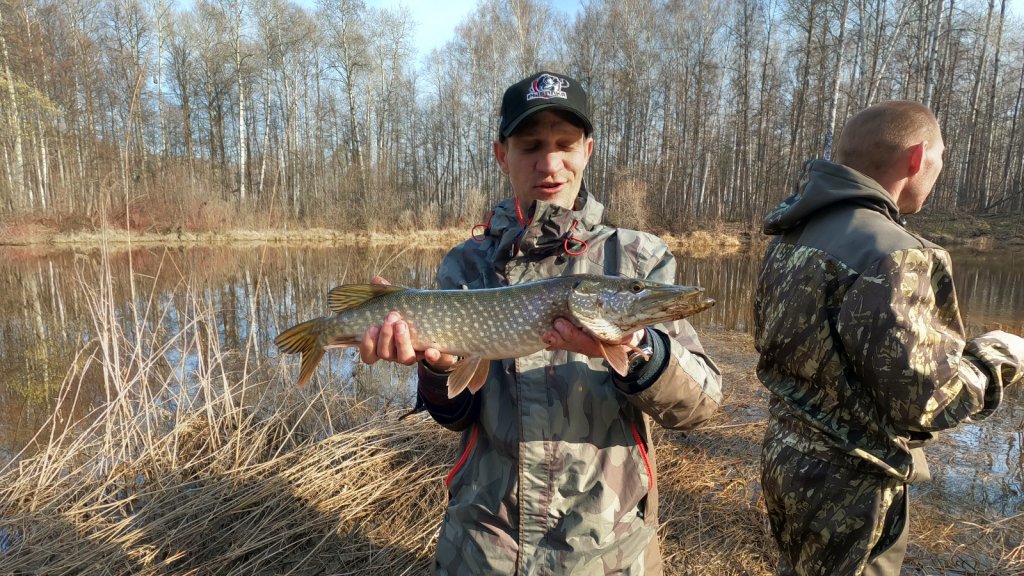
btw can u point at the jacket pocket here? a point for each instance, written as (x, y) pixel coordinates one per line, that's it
(643, 454)
(465, 456)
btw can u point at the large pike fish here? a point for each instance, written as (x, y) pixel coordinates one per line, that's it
(494, 323)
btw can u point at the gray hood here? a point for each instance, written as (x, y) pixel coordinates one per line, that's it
(824, 185)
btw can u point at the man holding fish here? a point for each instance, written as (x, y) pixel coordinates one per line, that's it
(557, 474)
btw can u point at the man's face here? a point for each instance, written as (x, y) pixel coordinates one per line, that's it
(914, 195)
(544, 159)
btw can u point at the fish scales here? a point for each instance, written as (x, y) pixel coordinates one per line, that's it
(495, 323)
(490, 323)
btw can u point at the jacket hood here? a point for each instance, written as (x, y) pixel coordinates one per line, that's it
(825, 184)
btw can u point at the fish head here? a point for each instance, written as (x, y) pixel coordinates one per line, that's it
(611, 308)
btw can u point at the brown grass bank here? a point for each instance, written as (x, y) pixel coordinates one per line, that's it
(717, 238)
(948, 229)
(249, 475)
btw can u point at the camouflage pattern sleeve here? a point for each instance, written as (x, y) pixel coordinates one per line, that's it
(900, 325)
(689, 389)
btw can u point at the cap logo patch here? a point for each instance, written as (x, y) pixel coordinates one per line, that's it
(546, 87)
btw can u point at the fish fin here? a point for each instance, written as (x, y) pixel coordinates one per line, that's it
(479, 375)
(616, 357)
(468, 373)
(303, 339)
(341, 298)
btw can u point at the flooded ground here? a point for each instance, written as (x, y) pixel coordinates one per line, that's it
(56, 306)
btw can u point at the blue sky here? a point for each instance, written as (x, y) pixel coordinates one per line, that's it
(436, 21)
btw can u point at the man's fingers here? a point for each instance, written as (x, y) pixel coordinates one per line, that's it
(553, 339)
(386, 337)
(405, 354)
(567, 336)
(572, 337)
(380, 280)
(438, 360)
(368, 347)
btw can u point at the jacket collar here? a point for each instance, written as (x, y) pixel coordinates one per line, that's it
(548, 226)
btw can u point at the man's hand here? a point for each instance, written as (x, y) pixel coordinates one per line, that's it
(566, 336)
(1014, 344)
(392, 341)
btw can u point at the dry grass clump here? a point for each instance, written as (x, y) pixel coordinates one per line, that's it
(223, 489)
(22, 232)
(944, 543)
(982, 232)
(713, 521)
(403, 228)
(715, 241)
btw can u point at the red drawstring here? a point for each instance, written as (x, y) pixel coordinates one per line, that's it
(519, 214)
(486, 227)
(565, 245)
(526, 223)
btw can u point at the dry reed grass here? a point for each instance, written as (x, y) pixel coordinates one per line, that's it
(716, 239)
(241, 473)
(229, 474)
(117, 239)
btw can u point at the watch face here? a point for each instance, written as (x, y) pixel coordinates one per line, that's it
(638, 358)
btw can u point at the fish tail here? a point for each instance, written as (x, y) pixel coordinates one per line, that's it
(303, 339)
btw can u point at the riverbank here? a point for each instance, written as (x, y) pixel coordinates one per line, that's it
(981, 232)
(728, 237)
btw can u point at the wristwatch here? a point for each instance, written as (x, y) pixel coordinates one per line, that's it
(637, 358)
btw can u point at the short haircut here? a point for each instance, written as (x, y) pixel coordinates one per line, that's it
(875, 137)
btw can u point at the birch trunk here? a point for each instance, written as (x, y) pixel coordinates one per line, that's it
(17, 171)
(834, 100)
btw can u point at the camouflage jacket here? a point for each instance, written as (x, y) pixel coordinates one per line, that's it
(857, 323)
(557, 474)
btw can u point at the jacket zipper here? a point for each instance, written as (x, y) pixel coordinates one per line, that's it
(643, 455)
(465, 456)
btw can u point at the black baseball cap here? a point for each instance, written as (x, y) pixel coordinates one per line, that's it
(542, 91)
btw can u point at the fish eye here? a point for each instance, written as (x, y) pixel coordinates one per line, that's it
(636, 287)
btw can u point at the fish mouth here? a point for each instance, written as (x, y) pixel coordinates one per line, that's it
(676, 302)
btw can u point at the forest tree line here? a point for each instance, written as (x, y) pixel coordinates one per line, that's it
(243, 112)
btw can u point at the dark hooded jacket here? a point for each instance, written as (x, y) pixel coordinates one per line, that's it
(861, 341)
